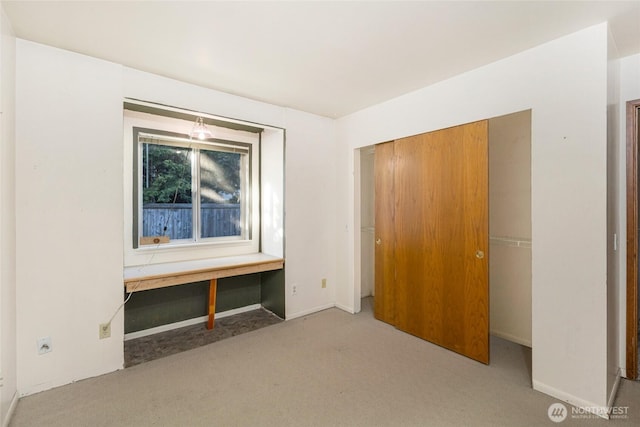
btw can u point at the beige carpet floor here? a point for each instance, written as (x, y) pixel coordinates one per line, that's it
(327, 369)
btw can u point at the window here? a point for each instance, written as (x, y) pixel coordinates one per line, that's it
(189, 199)
(190, 191)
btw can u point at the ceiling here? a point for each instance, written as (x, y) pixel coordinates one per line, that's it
(326, 58)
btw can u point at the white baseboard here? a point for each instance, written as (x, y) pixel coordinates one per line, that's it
(623, 372)
(349, 310)
(310, 311)
(614, 389)
(599, 410)
(512, 338)
(188, 322)
(12, 408)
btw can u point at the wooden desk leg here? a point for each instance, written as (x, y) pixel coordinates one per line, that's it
(213, 284)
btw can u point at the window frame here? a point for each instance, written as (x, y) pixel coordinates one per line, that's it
(142, 136)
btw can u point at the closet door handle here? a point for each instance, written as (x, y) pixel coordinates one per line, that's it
(479, 254)
(378, 241)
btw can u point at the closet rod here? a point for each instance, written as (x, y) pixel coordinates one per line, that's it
(519, 242)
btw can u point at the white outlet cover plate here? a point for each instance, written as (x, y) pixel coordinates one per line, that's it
(44, 345)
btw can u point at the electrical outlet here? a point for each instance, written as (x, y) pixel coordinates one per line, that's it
(324, 283)
(44, 345)
(104, 330)
(294, 289)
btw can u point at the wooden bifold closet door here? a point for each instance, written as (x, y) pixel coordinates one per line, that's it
(432, 237)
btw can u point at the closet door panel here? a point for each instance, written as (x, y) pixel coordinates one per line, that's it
(441, 238)
(384, 233)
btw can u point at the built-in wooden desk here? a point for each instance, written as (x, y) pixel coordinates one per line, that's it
(154, 276)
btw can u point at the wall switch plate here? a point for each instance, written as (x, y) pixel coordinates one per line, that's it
(44, 345)
(324, 283)
(104, 330)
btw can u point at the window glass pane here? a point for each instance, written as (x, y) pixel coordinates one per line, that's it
(220, 194)
(166, 191)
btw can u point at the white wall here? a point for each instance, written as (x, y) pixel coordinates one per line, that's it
(8, 381)
(310, 204)
(629, 85)
(70, 202)
(564, 82)
(614, 286)
(69, 214)
(272, 191)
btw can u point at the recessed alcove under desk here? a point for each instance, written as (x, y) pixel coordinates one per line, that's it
(270, 270)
